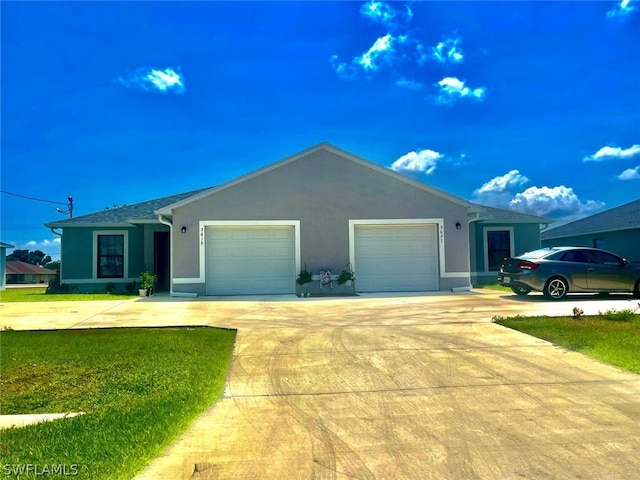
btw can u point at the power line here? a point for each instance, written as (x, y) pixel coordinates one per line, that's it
(32, 198)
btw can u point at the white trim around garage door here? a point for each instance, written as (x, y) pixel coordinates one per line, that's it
(407, 221)
(203, 224)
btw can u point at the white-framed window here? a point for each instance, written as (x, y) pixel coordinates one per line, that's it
(498, 244)
(110, 254)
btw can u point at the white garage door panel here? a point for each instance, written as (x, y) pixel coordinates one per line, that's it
(396, 258)
(249, 260)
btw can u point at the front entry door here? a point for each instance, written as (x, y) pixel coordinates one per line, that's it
(161, 259)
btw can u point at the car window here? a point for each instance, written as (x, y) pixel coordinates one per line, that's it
(575, 256)
(543, 252)
(603, 258)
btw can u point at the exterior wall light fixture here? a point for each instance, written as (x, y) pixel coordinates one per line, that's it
(458, 226)
(183, 229)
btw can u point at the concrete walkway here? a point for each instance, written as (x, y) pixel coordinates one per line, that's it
(389, 387)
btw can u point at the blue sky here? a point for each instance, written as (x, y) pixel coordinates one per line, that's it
(533, 106)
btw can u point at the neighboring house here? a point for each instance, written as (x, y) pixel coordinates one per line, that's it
(616, 230)
(322, 208)
(3, 264)
(22, 272)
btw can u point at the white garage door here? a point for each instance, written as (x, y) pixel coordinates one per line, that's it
(396, 258)
(250, 260)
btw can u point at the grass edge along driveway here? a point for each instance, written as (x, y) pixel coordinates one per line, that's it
(612, 337)
(38, 294)
(140, 388)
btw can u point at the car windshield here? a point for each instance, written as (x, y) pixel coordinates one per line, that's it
(543, 252)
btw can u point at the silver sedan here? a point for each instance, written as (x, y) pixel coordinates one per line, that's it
(557, 271)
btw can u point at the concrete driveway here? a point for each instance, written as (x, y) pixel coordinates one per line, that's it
(413, 387)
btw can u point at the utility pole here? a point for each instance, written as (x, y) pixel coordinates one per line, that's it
(69, 210)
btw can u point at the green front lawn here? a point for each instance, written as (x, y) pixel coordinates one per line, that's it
(612, 337)
(140, 388)
(36, 294)
(494, 286)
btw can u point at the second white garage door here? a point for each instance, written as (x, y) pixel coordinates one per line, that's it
(396, 258)
(250, 260)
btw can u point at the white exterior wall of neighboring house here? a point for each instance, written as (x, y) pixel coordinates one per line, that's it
(3, 264)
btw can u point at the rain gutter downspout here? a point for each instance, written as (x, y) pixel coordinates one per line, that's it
(169, 224)
(473, 217)
(53, 230)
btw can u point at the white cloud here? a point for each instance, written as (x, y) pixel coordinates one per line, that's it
(621, 11)
(452, 89)
(343, 70)
(557, 202)
(503, 183)
(419, 161)
(609, 153)
(378, 12)
(447, 51)
(385, 14)
(544, 201)
(50, 247)
(499, 190)
(153, 79)
(630, 174)
(380, 52)
(410, 84)
(43, 244)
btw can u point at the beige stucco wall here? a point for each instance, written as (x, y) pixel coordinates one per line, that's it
(323, 191)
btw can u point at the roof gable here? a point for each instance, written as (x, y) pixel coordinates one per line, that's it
(501, 215)
(623, 217)
(167, 210)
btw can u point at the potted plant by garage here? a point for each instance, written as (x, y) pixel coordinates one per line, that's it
(304, 277)
(346, 277)
(147, 280)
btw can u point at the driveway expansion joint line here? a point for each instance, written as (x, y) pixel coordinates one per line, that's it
(99, 313)
(418, 389)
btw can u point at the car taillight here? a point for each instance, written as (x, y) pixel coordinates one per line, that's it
(527, 265)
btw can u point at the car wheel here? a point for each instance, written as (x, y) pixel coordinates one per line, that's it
(636, 290)
(522, 291)
(556, 288)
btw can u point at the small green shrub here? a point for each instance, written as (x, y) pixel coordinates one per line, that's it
(625, 315)
(56, 287)
(305, 276)
(131, 287)
(110, 287)
(345, 276)
(147, 279)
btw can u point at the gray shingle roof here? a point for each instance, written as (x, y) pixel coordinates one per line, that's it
(623, 217)
(500, 215)
(144, 212)
(136, 213)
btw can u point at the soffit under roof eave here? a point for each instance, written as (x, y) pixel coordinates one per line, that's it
(539, 222)
(90, 225)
